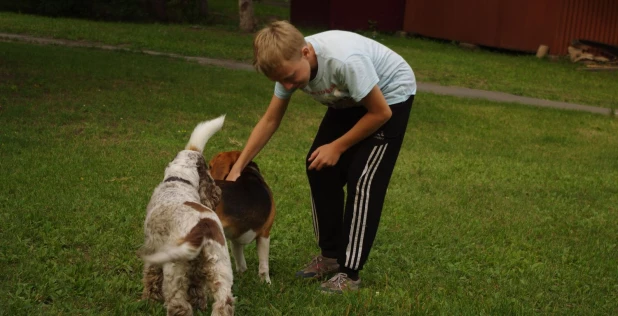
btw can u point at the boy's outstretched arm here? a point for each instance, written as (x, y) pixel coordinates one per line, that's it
(378, 113)
(261, 134)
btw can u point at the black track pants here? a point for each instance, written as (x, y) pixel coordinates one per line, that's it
(347, 231)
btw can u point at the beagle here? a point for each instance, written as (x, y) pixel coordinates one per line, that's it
(246, 210)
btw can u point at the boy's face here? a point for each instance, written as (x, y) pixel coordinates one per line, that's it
(294, 73)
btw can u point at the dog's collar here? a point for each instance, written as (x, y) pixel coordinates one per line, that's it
(253, 168)
(177, 179)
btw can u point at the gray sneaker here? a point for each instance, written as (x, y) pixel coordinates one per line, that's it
(340, 283)
(318, 268)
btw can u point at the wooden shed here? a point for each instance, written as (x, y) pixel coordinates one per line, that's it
(521, 25)
(384, 15)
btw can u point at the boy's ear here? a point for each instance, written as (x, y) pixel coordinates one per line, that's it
(305, 51)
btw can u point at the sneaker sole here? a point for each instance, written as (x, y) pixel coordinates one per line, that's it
(314, 276)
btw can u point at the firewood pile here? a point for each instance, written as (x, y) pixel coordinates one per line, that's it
(594, 56)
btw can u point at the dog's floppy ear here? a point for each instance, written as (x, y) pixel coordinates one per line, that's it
(210, 193)
(222, 163)
(220, 166)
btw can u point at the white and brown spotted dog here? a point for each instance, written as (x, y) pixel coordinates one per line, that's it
(185, 252)
(247, 210)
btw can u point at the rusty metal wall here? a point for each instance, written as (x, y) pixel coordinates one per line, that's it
(385, 15)
(595, 20)
(472, 21)
(521, 25)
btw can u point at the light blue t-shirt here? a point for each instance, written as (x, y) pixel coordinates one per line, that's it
(349, 66)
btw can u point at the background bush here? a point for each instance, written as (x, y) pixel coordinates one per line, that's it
(113, 10)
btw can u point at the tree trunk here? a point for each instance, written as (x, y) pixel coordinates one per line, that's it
(247, 19)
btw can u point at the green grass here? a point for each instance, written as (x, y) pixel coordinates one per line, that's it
(492, 209)
(432, 61)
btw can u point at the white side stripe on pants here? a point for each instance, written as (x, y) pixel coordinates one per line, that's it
(361, 204)
(316, 227)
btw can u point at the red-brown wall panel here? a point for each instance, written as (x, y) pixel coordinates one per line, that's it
(515, 24)
(595, 20)
(472, 21)
(314, 13)
(355, 15)
(349, 15)
(525, 25)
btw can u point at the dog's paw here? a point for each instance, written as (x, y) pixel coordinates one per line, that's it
(265, 278)
(241, 268)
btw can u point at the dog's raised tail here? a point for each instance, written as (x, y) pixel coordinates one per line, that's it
(202, 133)
(206, 230)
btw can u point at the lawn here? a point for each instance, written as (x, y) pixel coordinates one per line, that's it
(493, 208)
(433, 61)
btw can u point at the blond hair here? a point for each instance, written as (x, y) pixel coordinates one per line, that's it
(277, 42)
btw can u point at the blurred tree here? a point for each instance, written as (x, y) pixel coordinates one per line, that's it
(246, 15)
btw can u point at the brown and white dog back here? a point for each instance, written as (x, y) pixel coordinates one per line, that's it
(246, 210)
(185, 252)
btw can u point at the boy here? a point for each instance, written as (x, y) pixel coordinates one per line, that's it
(369, 90)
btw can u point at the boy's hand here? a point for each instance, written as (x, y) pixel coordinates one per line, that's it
(324, 156)
(378, 113)
(232, 176)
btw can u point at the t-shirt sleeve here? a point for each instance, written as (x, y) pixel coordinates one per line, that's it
(281, 93)
(360, 76)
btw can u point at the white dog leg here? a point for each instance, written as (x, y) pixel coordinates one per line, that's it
(175, 285)
(239, 256)
(263, 247)
(220, 286)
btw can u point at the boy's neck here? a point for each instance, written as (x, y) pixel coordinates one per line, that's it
(313, 61)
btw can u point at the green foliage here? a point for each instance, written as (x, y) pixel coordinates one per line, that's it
(114, 10)
(218, 12)
(95, 9)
